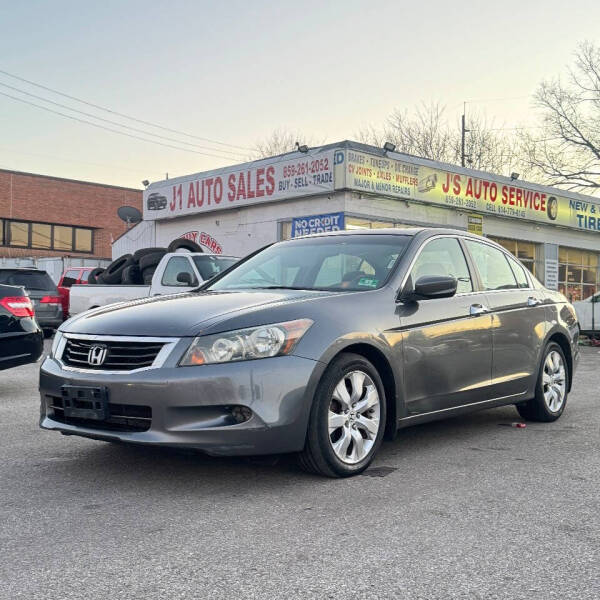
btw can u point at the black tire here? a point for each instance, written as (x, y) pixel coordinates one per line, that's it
(48, 333)
(94, 274)
(137, 255)
(114, 271)
(183, 244)
(132, 276)
(318, 455)
(537, 409)
(150, 260)
(148, 274)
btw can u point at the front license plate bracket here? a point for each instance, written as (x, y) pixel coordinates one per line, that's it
(83, 402)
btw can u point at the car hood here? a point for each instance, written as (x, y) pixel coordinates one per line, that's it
(179, 315)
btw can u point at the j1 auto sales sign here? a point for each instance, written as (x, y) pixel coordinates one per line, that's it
(232, 187)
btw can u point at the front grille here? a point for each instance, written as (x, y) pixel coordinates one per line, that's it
(120, 356)
(122, 417)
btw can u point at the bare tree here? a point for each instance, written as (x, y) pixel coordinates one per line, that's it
(279, 141)
(427, 132)
(566, 150)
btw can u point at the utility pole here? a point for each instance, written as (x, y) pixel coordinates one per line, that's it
(463, 131)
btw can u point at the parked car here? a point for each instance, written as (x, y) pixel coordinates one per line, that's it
(588, 314)
(320, 346)
(21, 339)
(156, 201)
(176, 272)
(71, 277)
(44, 295)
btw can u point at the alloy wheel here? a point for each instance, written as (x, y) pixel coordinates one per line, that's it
(554, 381)
(354, 417)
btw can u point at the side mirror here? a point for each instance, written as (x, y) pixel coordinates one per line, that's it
(430, 287)
(184, 277)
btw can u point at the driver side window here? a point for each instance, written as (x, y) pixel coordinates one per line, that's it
(444, 257)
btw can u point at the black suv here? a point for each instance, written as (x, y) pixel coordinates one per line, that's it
(21, 339)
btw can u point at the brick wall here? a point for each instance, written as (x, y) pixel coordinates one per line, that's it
(66, 202)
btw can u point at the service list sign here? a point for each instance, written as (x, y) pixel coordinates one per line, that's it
(389, 177)
(240, 186)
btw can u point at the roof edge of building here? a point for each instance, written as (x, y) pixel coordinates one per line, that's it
(68, 180)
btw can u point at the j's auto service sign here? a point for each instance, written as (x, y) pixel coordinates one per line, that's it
(240, 186)
(389, 177)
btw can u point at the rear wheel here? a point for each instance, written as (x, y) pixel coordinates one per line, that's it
(347, 419)
(551, 388)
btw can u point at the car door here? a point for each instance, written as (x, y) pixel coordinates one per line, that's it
(519, 323)
(170, 281)
(447, 342)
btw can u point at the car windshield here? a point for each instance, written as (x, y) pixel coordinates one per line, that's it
(346, 263)
(208, 266)
(30, 280)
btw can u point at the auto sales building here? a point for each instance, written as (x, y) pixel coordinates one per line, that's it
(348, 185)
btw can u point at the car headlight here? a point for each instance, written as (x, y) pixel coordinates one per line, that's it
(55, 343)
(246, 344)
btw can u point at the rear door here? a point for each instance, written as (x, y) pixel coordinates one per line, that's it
(519, 323)
(447, 342)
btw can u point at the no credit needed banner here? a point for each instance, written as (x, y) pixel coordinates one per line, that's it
(240, 186)
(317, 224)
(390, 177)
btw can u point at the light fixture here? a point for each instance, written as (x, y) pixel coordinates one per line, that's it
(389, 147)
(145, 183)
(514, 175)
(303, 148)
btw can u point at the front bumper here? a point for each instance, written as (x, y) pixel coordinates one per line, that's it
(191, 406)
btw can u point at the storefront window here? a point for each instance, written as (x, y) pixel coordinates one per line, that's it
(354, 223)
(83, 240)
(524, 251)
(41, 235)
(18, 233)
(1, 232)
(577, 273)
(63, 238)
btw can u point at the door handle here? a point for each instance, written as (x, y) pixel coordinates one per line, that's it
(531, 301)
(478, 309)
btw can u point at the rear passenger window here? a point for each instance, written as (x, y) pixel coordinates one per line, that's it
(445, 257)
(519, 272)
(493, 267)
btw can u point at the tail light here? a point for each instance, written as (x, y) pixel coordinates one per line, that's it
(51, 300)
(19, 307)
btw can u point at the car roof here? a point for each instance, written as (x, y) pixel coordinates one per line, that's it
(423, 232)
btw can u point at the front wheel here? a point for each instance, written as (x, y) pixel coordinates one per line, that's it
(347, 419)
(551, 388)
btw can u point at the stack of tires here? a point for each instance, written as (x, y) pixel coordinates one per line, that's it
(138, 268)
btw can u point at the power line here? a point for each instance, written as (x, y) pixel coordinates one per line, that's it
(236, 155)
(114, 112)
(73, 160)
(136, 137)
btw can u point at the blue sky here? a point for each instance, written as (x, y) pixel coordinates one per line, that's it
(235, 71)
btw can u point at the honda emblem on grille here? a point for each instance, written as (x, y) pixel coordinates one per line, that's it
(97, 355)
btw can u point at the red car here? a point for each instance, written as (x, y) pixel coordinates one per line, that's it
(72, 276)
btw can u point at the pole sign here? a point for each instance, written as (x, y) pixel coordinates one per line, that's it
(317, 224)
(242, 185)
(488, 195)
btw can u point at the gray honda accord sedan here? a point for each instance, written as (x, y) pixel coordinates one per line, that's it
(320, 346)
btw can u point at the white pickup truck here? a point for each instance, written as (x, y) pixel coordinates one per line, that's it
(588, 314)
(176, 272)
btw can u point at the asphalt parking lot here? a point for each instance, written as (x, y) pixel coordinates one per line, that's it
(470, 508)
